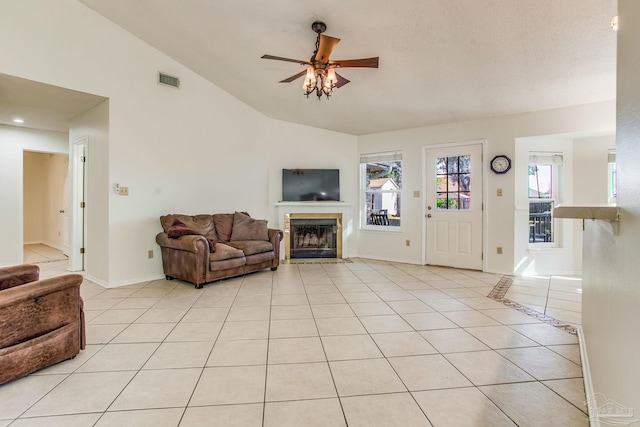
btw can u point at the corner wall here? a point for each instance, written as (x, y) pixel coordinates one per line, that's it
(611, 284)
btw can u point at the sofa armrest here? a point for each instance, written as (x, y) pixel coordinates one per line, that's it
(18, 275)
(190, 243)
(275, 235)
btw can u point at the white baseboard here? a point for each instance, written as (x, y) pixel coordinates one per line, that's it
(376, 258)
(594, 421)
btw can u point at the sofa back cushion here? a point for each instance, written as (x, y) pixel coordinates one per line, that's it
(224, 225)
(179, 229)
(202, 224)
(247, 228)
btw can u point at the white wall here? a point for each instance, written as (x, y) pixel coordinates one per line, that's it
(500, 212)
(197, 149)
(13, 142)
(192, 150)
(590, 186)
(611, 272)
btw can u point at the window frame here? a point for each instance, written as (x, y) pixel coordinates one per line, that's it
(395, 156)
(555, 160)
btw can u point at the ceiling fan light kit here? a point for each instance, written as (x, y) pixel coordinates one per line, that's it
(320, 76)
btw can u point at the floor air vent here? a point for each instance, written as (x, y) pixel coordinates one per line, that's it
(168, 80)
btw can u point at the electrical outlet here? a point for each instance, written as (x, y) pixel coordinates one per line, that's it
(150, 254)
(499, 250)
(407, 242)
(499, 192)
(124, 191)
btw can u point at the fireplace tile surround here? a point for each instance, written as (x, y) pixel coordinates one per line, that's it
(340, 211)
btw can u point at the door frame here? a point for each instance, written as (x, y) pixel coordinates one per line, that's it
(483, 143)
(79, 148)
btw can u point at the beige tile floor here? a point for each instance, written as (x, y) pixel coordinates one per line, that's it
(556, 296)
(366, 343)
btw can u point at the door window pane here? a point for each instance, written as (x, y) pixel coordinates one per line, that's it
(453, 182)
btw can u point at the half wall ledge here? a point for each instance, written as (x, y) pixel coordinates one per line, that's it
(604, 212)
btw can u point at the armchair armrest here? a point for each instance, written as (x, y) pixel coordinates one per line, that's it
(18, 275)
(39, 307)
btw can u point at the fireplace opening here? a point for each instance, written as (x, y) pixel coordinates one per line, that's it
(313, 238)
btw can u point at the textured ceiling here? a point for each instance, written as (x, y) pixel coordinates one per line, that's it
(440, 60)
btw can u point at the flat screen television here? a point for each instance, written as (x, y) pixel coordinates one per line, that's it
(304, 185)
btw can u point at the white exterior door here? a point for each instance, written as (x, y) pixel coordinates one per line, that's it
(454, 206)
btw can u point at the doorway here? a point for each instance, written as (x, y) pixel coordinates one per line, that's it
(454, 205)
(45, 176)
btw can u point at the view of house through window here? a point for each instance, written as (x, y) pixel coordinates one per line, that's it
(613, 177)
(453, 181)
(541, 202)
(381, 177)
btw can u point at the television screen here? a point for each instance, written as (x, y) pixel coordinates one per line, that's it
(303, 185)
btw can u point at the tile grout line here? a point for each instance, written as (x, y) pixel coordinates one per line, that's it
(501, 288)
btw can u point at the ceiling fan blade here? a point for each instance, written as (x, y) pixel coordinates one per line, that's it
(352, 63)
(279, 58)
(294, 77)
(341, 81)
(327, 43)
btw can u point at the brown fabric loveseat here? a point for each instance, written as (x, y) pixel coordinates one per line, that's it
(41, 321)
(203, 248)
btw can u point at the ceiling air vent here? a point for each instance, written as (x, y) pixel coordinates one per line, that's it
(168, 80)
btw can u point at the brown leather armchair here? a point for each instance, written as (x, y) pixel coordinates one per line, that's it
(41, 321)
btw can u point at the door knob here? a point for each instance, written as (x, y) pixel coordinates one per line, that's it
(428, 215)
(428, 208)
(62, 211)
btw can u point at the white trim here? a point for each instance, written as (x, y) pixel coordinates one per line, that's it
(78, 225)
(379, 258)
(594, 420)
(110, 285)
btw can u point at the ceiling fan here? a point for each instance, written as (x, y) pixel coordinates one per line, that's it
(320, 75)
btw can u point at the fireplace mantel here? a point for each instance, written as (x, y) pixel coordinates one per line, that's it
(325, 207)
(314, 204)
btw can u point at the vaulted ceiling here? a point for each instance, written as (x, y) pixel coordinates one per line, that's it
(441, 61)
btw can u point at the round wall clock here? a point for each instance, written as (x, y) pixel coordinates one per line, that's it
(500, 164)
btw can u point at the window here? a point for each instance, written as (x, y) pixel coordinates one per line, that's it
(543, 195)
(381, 190)
(613, 177)
(453, 181)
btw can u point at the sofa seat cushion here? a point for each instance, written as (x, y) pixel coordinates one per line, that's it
(250, 247)
(260, 258)
(224, 252)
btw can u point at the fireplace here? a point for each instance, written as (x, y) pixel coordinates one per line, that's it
(313, 235)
